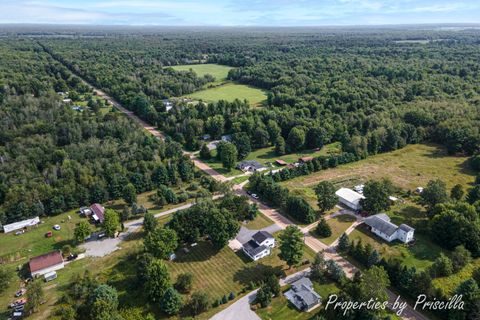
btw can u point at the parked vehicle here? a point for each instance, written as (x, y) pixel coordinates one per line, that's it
(101, 235)
(19, 232)
(72, 256)
(17, 315)
(254, 196)
(20, 292)
(50, 276)
(49, 234)
(19, 302)
(56, 227)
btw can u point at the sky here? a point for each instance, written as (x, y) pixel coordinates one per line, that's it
(239, 12)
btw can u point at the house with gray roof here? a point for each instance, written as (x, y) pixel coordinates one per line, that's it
(380, 225)
(250, 166)
(302, 295)
(259, 246)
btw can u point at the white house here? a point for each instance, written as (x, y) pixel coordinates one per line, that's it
(46, 263)
(380, 225)
(349, 198)
(259, 246)
(21, 224)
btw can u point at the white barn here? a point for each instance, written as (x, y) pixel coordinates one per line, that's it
(349, 198)
(380, 225)
(21, 224)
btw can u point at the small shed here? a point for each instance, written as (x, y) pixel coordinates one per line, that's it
(280, 162)
(305, 159)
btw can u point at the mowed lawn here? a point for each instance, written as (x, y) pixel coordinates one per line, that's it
(18, 249)
(261, 221)
(224, 271)
(338, 225)
(408, 168)
(420, 255)
(282, 309)
(219, 72)
(229, 92)
(267, 155)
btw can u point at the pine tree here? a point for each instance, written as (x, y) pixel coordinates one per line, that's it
(343, 243)
(323, 229)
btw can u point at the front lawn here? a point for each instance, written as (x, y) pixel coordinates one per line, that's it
(281, 308)
(261, 221)
(338, 225)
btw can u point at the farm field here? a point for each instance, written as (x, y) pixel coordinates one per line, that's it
(408, 168)
(229, 92)
(219, 72)
(338, 225)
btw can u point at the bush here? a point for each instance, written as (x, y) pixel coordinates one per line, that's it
(184, 282)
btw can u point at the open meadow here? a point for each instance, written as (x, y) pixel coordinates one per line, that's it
(229, 92)
(219, 72)
(408, 168)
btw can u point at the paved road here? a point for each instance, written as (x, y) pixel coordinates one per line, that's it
(239, 310)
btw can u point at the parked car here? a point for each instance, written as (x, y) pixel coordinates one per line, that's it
(19, 302)
(101, 235)
(17, 315)
(48, 234)
(72, 256)
(19, 232)
(249, 192)
(254, 196)
(20, 292)
(19, 308)
(56, 227)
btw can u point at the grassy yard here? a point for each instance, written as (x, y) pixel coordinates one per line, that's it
(281, 308)
(229, 92)
(338, 225)
(261, 221)
(266, 155)
(219, 72)
(408, 168)
(18, 249)
(420, 255)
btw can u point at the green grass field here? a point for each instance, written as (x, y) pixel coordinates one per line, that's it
(267, 155)
(260, 221)
(282, 309)
(229, 92)
(219, 72)
(450, 283)
(408, 168)
(420, 255)
(338, 225)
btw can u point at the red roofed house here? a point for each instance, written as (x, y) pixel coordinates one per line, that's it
(46, 263)
(97, 212)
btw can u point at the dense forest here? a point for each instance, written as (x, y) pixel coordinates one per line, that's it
(368, 89)
(54, 158)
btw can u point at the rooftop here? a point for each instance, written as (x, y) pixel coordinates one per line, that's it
(45, 261)
(253, 248)
(382, 223)
(349, 195)
(261, 236)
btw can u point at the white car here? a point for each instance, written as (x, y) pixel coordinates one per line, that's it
(254, 196)
(56, 227)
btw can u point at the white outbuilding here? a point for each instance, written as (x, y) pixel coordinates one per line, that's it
(21, 224)
(349, 198)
